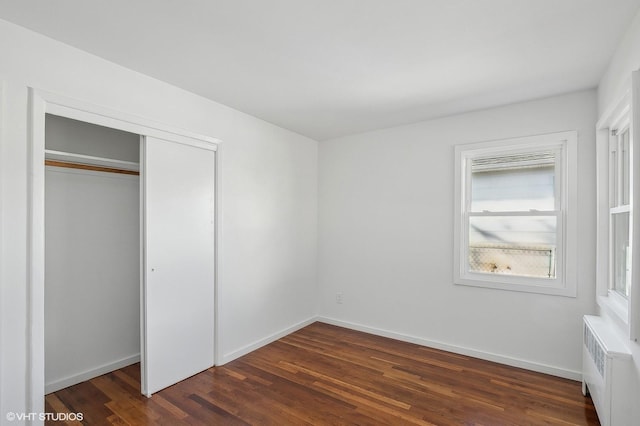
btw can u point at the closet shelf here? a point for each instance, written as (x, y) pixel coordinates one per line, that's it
(88, 162)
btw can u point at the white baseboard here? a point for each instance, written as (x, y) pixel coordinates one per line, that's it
(58, 384)
(263, 342)
(488, 356)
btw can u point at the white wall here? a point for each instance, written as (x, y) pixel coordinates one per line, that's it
(626, 59)
(267, 279)
(386, 224)
(92, 290)
(616, 80)
(65, 134)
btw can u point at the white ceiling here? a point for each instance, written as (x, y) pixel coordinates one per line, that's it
(328, 68)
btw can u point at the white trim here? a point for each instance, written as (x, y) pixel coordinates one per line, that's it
(41, 103)
(35, 255)
(616, 307)
(143, 278)
(565, 282)
(602, 211)
(217, 338)
(475, 353)
(265, 341)
(529, 213)
(634, 176)
(90, 374)
(2, 139)
(615, 113)
(620, 209)
(95, 114)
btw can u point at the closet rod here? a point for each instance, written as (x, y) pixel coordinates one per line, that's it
(69, 165)
(71, 157)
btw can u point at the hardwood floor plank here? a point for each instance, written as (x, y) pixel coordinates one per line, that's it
(175, 411)
(324, 374)
(85, 398)
(379, 408)
(54, 405)
(349, 387)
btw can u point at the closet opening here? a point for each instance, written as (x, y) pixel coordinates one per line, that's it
(123, 247)
(92, 274)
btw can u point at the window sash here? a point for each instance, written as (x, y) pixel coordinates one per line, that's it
(528, 156)
(542, 153)
(615, 256)
(559, 245)
(620, 166)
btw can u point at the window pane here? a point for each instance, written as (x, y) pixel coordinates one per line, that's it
(621, 254)
(613, 178)
(520, 189)
(521, 245)
(624, 165)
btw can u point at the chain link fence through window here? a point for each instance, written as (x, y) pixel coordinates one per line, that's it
(530, 261)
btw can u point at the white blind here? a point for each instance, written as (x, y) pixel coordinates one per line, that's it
(513, 161)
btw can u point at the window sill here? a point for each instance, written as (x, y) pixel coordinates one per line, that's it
(505, 283)
(616, 308)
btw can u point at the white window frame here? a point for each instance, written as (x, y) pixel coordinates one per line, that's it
(625, 113)
(615, 195)
(564, 283)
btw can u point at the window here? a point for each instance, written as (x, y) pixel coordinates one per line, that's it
(620, 212)
(512, 227)
(618, 227)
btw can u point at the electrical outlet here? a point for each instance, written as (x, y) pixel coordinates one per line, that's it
(339, 297)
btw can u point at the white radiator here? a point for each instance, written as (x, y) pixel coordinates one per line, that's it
(606, 370)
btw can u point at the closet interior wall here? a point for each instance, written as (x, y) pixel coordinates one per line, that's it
(92, 252)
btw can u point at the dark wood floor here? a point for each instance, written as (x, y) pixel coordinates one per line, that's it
(329, 375)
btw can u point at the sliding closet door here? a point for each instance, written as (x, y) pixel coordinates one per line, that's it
(178, 307)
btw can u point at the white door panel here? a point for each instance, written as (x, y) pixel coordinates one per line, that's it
(179, 185)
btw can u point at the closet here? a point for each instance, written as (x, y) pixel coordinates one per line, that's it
(129, 252)
(92, 251)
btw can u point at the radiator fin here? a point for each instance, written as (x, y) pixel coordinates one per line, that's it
(595, 349)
